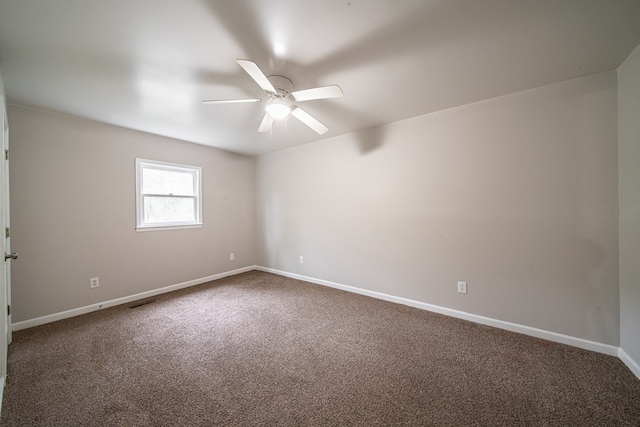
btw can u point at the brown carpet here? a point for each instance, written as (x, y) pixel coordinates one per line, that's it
(260, 349)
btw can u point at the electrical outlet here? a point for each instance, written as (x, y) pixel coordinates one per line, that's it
(462, 287)
(232, 257)
(301, 260)
(94, 282)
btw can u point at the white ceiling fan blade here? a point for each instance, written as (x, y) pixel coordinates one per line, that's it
(256, 74)
(230, 101)
(265, 125)
(324, 92)
(309, 120)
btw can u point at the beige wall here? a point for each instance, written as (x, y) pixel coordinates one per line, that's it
(629, 194)
(73, 214)
(516, 195)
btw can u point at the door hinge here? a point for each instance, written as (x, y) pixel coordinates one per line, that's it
(6, 233)
(8, 310)
(6, 154)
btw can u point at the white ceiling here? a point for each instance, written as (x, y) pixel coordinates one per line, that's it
(148, 64)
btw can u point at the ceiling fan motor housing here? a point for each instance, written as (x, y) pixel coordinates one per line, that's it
(283, 86)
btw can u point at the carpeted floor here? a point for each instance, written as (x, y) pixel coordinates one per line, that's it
(260, 349)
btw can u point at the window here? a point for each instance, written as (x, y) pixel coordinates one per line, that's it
(167, 195)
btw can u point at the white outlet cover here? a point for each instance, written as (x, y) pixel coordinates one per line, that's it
(462, 287)
(301, 260)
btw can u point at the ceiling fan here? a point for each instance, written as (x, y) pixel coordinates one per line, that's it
(281, 98)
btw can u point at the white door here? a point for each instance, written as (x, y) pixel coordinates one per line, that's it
(7, 215)
(5, 264)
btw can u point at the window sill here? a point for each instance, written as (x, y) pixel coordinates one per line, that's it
(168, 227)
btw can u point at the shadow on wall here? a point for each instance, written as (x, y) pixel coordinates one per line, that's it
(588, 258)
(591, 258)
(371, 139)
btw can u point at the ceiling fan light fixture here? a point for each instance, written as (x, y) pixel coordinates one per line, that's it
(278, 109)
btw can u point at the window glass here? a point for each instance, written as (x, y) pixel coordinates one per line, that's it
(157, 181)
(168, 209)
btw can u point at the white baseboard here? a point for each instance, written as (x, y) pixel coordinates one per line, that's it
(631, 364)
(142, 295)
(501, 324)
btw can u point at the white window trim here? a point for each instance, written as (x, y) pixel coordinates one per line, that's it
(196, 170)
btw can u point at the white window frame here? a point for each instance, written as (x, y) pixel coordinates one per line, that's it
(142, 164)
